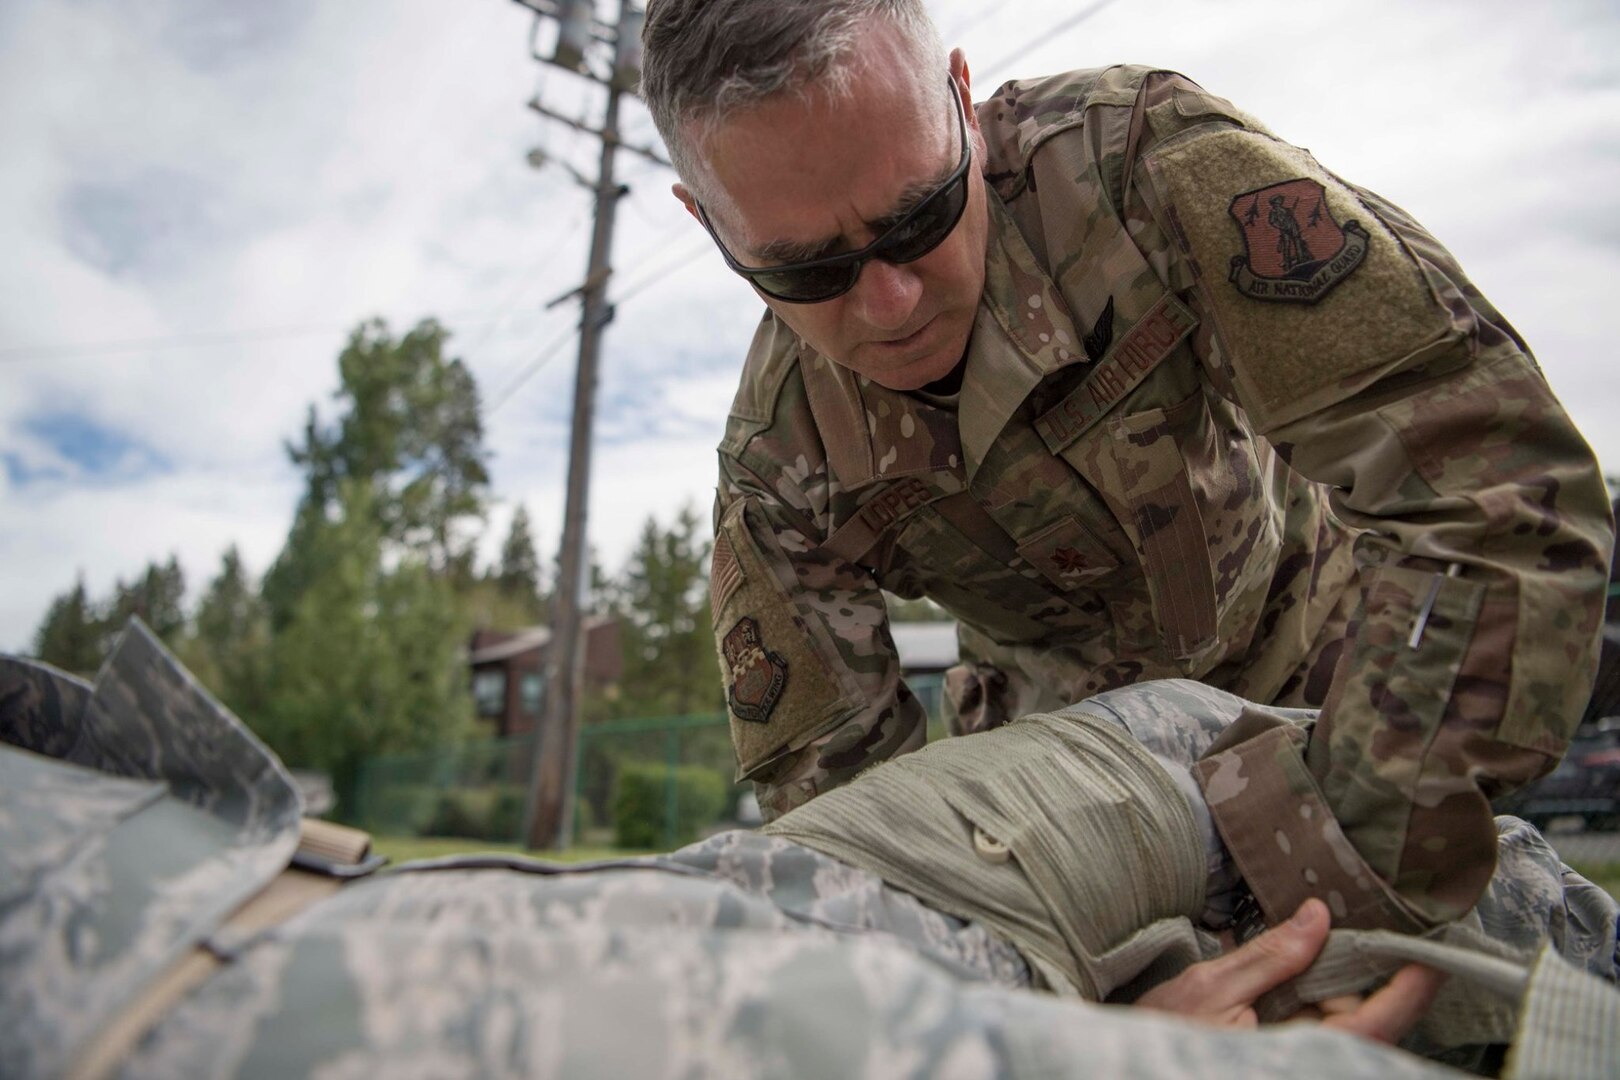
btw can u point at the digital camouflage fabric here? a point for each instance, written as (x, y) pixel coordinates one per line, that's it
(1223, 416)
(133, 810)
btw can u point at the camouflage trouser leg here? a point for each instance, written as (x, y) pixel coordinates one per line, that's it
(819, 890)
(1532, 898)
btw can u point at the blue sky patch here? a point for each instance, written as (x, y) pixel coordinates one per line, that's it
(99, 452)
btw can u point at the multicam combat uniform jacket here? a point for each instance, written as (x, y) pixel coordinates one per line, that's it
(1224, 416)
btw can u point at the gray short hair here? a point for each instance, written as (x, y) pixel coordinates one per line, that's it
(707, 58)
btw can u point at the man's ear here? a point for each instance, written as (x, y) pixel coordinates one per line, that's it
(962, 81)
(686, 198)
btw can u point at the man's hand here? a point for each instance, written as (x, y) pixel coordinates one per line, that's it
(1222, 991)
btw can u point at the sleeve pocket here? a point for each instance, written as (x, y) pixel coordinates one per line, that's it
(784, 684)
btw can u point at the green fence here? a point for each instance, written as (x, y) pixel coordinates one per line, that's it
(657, 782)
(474, 789)
(644, 783)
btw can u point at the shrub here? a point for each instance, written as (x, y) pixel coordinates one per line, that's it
(465, 812)
(639, 804)
(401, 809)
(506, 815)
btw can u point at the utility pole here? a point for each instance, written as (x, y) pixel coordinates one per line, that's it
(583, 46)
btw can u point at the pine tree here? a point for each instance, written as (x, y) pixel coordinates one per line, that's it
(229, 649)
(368, 629)
(370, 661)
(70, 636)
(518, 577)
(663, 604)
(157, 597)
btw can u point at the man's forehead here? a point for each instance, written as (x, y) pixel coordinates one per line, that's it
(792, 173)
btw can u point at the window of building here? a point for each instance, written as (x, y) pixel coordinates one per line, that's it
(533, 693)
(489, 692)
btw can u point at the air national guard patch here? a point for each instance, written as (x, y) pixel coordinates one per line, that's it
(1296, 251)
(758, 676)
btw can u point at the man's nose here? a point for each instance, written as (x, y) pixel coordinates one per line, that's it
(887, 294)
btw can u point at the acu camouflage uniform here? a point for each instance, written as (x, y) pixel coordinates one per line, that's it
(1223, 416)
(137, 817)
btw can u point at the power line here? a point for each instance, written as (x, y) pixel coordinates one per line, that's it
(1062, 26)
(91, 350)
(682, 258)
(549, 255)
(545, 355)
(983, 15)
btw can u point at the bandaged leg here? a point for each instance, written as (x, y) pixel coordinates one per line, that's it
(1061, 833)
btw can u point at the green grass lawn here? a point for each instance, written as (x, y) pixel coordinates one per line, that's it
(405, 848)
(1606, 875)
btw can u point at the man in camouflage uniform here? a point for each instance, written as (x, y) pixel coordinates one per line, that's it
(151, 927)
(1135, 390)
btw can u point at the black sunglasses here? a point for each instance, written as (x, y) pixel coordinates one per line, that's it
(922, 230)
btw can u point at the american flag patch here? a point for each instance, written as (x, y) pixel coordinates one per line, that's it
(725, 574)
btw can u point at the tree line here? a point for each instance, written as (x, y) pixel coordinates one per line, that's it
(354, 641)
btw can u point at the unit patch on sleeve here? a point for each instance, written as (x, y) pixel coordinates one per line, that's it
(757, 676)
(1295, 250)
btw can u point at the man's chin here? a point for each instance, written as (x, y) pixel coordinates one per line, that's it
(914, 377)
(899, 373)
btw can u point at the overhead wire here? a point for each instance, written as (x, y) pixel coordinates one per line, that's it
(525, 283)
(96, 349)
(1062, 26)
(487, 318)
(541, 359)
(662, 272)
(684, 256)
(983, 15)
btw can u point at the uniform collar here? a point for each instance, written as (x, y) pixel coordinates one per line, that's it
(1022, 334)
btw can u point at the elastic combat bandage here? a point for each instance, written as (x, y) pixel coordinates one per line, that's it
(1059, 832)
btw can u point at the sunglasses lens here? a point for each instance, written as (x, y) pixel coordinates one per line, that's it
(807, 284)
(907, 242)
(931, 225)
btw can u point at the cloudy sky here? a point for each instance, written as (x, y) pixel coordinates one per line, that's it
(199, 198)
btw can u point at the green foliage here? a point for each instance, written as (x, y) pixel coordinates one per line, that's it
(465, 812)
(518, 576)
(363, 602)
(71, 634)
(157, 597)
(639, 805)
(662, 602)
(402, 809)
(409, 431)
(370, 661)
(77, 632)
(229, 647)
(483, 606)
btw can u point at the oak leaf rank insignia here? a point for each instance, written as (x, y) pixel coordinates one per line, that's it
(1295, 251)
(757, 675)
